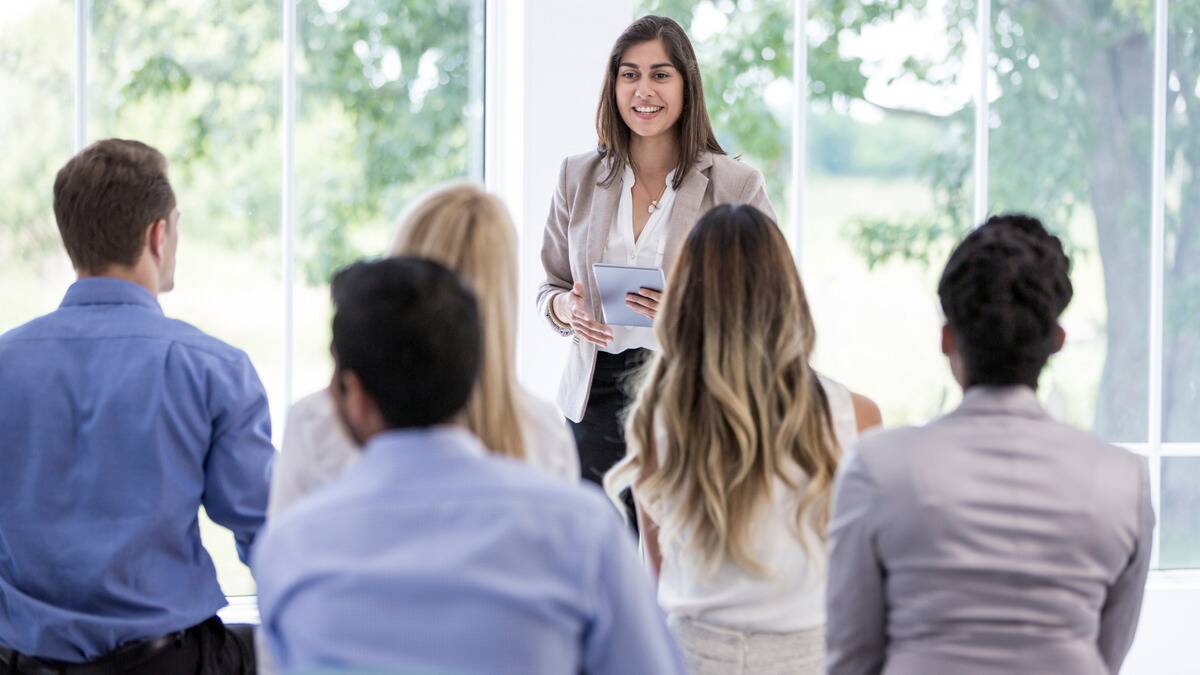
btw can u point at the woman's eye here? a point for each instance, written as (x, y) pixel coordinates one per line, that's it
(629, 75)
(661, 76)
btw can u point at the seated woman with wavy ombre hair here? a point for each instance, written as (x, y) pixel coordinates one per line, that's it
(734, 442)
(468, 230)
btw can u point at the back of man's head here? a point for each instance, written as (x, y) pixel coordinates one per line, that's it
(409, 329)
(104, 200)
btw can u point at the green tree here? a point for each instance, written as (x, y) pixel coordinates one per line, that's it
(385, 110)
(1070, 131)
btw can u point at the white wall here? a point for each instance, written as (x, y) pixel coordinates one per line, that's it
(549, 64)
(1168, 642)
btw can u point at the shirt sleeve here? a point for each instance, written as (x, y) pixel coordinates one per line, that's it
(271, 580)
(1119, 617)
(628, 633)
(855, 628)
(237, 470)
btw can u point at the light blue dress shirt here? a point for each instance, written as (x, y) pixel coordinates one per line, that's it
(116, 425)
(431, 556)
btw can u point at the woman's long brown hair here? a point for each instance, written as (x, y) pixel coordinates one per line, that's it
(694, 128)
(731, 394)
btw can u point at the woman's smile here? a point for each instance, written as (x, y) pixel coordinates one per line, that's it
(647, 112)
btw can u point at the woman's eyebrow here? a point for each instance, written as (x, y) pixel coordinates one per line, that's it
(653, 66)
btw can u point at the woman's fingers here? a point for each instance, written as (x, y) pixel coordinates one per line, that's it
(590, 330)
(593, 336)
(644, 311)
(644, 305)
(654, 295)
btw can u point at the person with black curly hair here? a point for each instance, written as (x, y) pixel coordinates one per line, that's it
(994, 539)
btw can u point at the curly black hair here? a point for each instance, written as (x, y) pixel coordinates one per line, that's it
(1002, 292)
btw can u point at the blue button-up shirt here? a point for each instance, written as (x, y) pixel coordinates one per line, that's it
(431, 556)
(116, 425)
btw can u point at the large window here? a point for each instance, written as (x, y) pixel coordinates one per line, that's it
(390, 102)
(894, 155)
(905, 109)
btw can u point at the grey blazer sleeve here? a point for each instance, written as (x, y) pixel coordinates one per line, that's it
(1119, 617)
(555, 253)
(855, 622)
(754, 193)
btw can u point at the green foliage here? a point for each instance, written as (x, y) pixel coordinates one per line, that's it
(384, 111)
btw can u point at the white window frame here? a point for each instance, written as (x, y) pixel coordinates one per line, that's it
(514, 147)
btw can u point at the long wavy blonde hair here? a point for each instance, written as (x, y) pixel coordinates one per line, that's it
(469, 230)
(733, 393)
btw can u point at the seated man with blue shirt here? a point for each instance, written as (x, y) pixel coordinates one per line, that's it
(432, 555)
(116, 425)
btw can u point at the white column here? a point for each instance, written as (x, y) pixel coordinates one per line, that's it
(799, 124)
(546, 65)
(983, 26)
(287, 210)
(82, 13)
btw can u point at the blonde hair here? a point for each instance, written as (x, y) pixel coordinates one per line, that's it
(734, 393)
(469, 230)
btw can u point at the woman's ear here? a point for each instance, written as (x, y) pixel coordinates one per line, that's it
(1060, 339)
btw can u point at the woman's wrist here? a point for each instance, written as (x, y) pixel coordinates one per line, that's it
(554, 314)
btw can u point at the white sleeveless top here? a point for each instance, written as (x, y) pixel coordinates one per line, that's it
(316, 450)
(791, 597)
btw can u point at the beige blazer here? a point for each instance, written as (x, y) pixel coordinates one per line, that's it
(577, 228)
(991, 541)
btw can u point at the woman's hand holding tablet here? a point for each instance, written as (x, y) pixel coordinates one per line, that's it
(571, 308)
(629, 294)
(644, 302)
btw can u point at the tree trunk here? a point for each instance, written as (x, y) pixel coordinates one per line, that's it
(1181, 367)
(1119, 80)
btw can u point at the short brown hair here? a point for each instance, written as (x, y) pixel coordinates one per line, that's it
(104, 199)
(695, 129)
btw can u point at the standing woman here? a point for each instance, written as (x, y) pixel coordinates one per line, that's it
(632, 201)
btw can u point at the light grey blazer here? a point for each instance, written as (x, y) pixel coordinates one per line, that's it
(992, 540)
(577, 229)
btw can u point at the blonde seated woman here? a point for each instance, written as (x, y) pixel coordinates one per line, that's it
(468, 230)
(734, 443)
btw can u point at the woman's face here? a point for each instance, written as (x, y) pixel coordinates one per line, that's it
(649, 89)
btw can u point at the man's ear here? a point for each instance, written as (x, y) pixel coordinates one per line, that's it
(351, 390)
(949, 347)
(1060, 339)
(156, 237)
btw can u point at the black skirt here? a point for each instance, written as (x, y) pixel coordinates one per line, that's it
(600, 435)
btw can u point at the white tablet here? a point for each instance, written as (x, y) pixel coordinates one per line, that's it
(614, 281)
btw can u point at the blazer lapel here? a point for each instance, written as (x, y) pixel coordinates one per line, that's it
(605, 201)
(686, 210)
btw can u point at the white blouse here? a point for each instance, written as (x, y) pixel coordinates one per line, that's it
(646, 250)
(316, 449)
(791, 597)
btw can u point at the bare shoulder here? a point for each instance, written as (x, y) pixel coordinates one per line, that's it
(866, 412)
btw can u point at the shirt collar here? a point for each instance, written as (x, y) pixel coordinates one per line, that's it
(109, 291)
(628, 178)
(403, 446)
(1012, 400)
